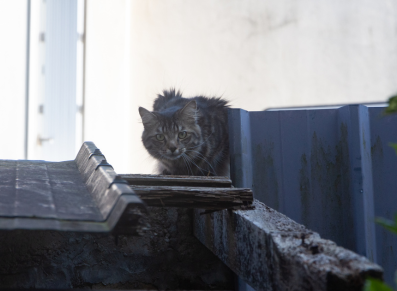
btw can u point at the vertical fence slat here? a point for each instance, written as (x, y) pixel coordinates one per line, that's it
(266, 158)
(384, 164)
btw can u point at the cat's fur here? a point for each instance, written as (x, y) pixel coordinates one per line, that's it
(203, 150)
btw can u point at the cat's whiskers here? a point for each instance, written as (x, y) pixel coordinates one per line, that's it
(201, 156)
(158, 155)
(187, 163)
(191, 160)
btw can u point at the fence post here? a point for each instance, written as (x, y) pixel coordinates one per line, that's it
(240, 148)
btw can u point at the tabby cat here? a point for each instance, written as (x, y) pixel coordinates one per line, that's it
(187, 136)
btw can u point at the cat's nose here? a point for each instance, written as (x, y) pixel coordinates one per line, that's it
(172, 149)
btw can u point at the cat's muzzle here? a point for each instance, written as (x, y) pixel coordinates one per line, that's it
(175, 154)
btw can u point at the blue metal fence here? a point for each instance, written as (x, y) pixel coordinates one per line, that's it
(329, 169)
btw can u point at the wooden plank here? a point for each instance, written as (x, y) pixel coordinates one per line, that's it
(169, 180)
(194, 197)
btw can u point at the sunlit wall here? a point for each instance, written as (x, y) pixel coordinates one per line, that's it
(110, 104)
(13, 16)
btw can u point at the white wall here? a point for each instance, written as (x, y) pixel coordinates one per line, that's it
(12, 76)
(258, 54)
(109, 101)
(272, 53)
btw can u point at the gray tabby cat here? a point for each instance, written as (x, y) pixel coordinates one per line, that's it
(187, 136)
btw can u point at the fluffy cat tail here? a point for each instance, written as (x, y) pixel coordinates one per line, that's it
(165, 98)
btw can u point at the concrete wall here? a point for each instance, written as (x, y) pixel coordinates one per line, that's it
(258, 54)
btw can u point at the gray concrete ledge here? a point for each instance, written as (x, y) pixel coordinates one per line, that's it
(272, 252)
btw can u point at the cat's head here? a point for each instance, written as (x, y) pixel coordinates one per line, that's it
(171, 133)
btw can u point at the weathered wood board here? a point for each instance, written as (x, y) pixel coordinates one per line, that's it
(211, 193)
(170, 180)
(193, 197)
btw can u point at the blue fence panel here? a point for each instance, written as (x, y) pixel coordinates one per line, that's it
(316, 167)
(294, 138)
(384, 173)
(266, 158)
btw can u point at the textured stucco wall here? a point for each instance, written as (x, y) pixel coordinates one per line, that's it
(263, 54)
(168, 257)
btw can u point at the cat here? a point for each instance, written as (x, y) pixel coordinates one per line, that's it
(187, 136)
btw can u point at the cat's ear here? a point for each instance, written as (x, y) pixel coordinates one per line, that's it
(148, 118)
(190, 113)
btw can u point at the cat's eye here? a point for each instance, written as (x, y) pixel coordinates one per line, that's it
(160, 136)
(182, 134)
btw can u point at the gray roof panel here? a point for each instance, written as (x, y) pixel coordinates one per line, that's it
(72, 195)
